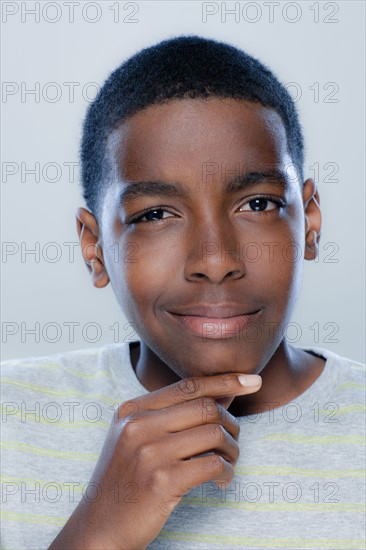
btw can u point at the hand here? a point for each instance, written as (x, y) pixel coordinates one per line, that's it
(150, 459)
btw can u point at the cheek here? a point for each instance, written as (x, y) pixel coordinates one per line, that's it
(279, 262)
(276, 278)
(147, 272)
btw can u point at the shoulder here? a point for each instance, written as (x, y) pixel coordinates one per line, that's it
(75, 365)
(342, 387)
(340, 366)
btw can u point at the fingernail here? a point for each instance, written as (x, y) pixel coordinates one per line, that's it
(249, 380)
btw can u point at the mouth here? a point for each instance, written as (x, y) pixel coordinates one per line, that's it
(215, 322)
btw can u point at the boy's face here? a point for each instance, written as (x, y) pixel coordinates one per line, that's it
(211, 280)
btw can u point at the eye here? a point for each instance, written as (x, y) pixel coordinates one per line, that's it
(152, 215)
(262, 205)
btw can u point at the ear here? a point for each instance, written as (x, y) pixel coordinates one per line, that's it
(313, 219)
(88, 231)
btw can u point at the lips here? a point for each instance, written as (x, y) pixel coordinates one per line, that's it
(215, 322)
(219, 311)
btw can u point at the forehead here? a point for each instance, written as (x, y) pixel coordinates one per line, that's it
(185, 133)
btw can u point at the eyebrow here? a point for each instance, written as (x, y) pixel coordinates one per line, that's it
(244, 181)
(137, 189)
(157, 188)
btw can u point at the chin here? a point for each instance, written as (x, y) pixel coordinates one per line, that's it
(209, 360)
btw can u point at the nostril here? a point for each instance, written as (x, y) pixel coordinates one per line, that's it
(236, 274)
(215, 268)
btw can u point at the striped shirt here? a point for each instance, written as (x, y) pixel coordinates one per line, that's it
(299, 482)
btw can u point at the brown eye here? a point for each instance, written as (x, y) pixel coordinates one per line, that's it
(154, 215)
(260, 204)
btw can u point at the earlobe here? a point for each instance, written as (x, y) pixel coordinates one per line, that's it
(99, 274)
(88, 231)
(311, 245)
(312, 220)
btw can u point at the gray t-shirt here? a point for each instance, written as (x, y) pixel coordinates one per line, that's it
(299, 482)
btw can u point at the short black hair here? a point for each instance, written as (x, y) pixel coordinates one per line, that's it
(178, 68)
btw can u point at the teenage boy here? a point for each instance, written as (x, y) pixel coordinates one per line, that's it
(225, 436)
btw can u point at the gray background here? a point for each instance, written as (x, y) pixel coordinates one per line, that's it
(311, 44)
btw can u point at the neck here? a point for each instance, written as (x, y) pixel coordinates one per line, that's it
(289, 372)
(287, 375)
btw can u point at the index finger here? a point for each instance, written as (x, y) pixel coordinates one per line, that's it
(218, 385)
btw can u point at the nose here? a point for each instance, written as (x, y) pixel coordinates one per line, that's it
(214, 255)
